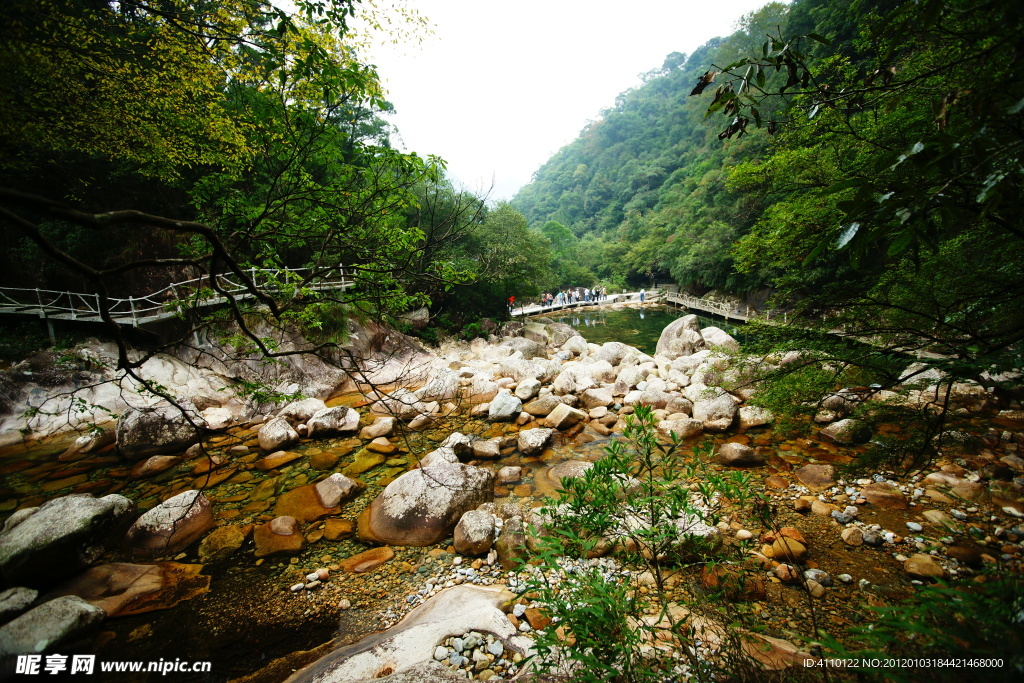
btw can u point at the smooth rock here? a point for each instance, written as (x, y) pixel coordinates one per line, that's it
(423, 506)
(739, 455)
(46, 627)
(816, 477)
(533, 441)
(171, 526)
(474, 534)
(277, 435)
(121, 589)
(331, 421)
(61, 537)
(922, 566)
(367, 560)
(159, 429)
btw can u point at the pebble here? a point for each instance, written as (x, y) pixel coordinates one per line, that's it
(819, 576)
(744, 535)
(914, 526)
(845, 578)
(297, 587)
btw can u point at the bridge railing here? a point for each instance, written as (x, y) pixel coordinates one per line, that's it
(200, 291)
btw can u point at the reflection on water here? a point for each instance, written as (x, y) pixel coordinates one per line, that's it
(639, 327)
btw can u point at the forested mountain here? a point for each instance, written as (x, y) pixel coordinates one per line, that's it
(644, 187)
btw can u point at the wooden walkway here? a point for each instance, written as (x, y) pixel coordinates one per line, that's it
(727, 311)
(164, 304)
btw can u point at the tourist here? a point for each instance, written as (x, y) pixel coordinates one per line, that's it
(643, 292)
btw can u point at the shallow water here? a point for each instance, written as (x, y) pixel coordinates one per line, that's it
(639, 327)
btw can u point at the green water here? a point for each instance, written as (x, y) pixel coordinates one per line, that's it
(639, 327)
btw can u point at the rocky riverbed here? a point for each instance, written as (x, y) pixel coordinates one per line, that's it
(287, 534)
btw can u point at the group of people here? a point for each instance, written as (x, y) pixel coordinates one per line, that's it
(573, 296)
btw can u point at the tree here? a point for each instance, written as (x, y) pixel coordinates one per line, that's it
(890, 189)
(183, 139)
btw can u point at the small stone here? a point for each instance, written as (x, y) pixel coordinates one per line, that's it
(744, 535)
(923, 566)
(441, 653)
(853, 536)
(295, 588)
(914, 526)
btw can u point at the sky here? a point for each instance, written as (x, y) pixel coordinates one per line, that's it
(501, 86)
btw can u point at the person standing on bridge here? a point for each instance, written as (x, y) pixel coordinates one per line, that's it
(643, 293)
(511, 304)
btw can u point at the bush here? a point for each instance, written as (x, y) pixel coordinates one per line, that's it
(656, 509)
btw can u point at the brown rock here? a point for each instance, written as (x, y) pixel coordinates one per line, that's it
(220, 543)
(279, 536)
(789, 549)
(367, 560)
(853, 536)
(338, 529)
(734, 582)
(817, 477)
(537, 619)
(802, 505)
(324, 461)
(154, 465)
(923, 566)
(381, 445)
(966, 552)
(303, 504)
(885, 495)
(821, 508)
(274, 460)
(121, 589)
(776, 482)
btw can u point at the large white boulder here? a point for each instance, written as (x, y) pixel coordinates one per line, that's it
(681, 337)
(533, 441)
(421, 507)
(299, 411)
(276, 435)
(504, 407)
(717, 412)
(574, 378)
(330, 421)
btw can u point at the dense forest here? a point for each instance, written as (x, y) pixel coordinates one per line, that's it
(861, 161)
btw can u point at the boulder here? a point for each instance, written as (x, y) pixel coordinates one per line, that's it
(474, 534)
(716, 413)
(540, 407)
(614, 352)
(754, 416)
(279, 536)
(336, 489)
(48, 626)
(171, 526)
(504, 407)
(277, 434)
(154, 465)
(121, 589)
(61, 537)
(301, 411)
(528, 389)
(442, 385)
(368, 560)
(382, 426)
(564, 417)
(438, 456)
(487, 449)
(681, 337)
(683, 428)
(221, 543)
(421, 507)
(739, 455)
(848, 431)
(533, 441)
(596, 397)
(574, 378)
(922, 566)
(159, 429)
(527, 347)
(413, 640)
(16, 601)
(577, 346)
(401, 403)
(717, 337)
(330, 421)
(510, 474)
(304, 504)
(885, 495)
(816, 477)
(510, 545)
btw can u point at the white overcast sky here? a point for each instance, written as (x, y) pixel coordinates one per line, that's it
(501, 86)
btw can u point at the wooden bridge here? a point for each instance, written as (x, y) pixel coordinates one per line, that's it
(163, 304)
(727, 311)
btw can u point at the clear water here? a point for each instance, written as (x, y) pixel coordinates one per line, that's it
(639, 327)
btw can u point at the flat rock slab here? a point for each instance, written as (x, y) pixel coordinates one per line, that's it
(368, 560)
(816, 477)
(49, 625)
(121, 589)
(413, 640)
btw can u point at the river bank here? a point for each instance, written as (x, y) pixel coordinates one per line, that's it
(531, 408)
